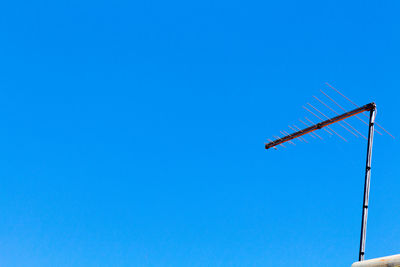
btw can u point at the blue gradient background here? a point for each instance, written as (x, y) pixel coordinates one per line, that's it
(132, 132)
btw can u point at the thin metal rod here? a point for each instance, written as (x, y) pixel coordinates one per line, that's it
(320, 125)
(357, 106)
(367, 184)
(290, 142)
(348, 124)
(277, 137)
(313, 132)
(318, 118)
(327, 126)
(330, 98)
(270, 142)
(328, 118)
(300, 137)
(286, 133)
(337, 91)
(297, 128)
(314, 123)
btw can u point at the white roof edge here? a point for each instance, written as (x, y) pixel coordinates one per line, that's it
(389, 261)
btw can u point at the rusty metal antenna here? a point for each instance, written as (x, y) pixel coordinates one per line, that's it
(321, 125)
(371, 108)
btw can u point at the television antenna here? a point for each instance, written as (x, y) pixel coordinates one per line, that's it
(339, 119)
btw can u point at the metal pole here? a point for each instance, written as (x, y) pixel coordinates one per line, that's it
(367, 183)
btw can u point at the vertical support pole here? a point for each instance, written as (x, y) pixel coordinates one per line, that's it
(367, 184)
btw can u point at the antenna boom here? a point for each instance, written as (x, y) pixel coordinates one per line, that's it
(367, 107)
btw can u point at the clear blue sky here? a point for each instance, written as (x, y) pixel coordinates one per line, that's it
(132, 132)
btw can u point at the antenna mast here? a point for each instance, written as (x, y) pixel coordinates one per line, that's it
(367, 183)
(371, 107)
